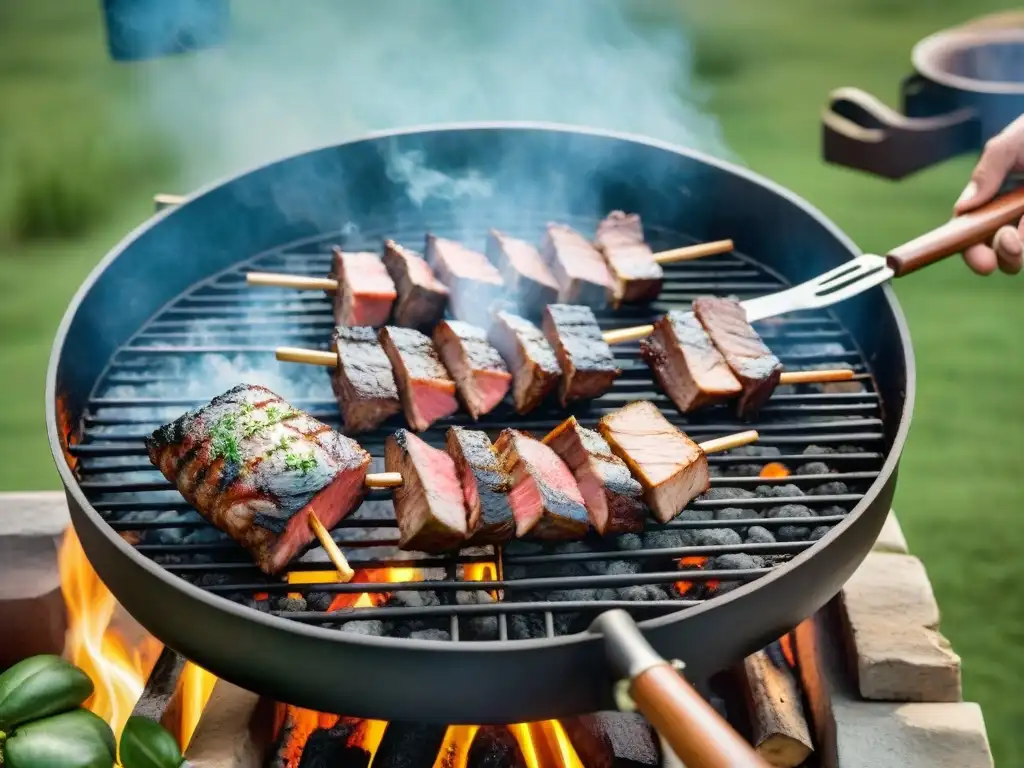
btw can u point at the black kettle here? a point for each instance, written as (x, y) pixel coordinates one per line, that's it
(967, 86)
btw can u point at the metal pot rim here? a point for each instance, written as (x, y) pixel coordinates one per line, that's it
(929, 52)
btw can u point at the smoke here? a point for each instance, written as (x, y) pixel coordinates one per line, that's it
(298, 75)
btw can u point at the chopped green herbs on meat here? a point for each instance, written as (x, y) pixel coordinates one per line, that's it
(246, 424)
(223, 443)
(303, 464)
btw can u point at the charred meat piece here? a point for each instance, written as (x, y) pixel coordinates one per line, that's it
(422, 298)
(529, 357)
(687, 366)
(429, 505)
(474, 284)
(613, 497)
(525, 273)
(752, 363)
(363, 380)
(636, 276)
(577, 265)
(426, 390)
(257, 468)
(480, 374)
(588, 367)
(485, 485)
(365, 289)
(671, 467)
(545, 500)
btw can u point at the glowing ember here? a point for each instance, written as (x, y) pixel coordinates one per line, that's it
(786, 644)
(118, 668)
(693, 563)
(454, 751)
(545, 745)
(481, 572)
(774, 471)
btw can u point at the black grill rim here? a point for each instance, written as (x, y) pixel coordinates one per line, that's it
(96, 534)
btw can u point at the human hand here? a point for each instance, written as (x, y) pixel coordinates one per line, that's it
(1003, 154)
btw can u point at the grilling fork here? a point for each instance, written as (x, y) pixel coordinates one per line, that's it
(867, 271)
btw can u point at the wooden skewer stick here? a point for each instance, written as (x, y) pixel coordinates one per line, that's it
(622, 335)
(383, 480)
(345, 572)
(728, 442)
(305, 283)
(330, 360)
(163, 200)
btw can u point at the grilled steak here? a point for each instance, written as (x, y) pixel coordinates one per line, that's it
(429, 505)
(529, 357)
(426, 390)
(687, 366)
(422, 298)
(362, 381)
(636, 276)
(612, 496)
(485, 486)
(479, 372)
(365, 290)
(588, 367)
(257, 468)
(750, 360)
(577, 265)
(474, 284)
(545, 500)
(671, 467)
(528, 278)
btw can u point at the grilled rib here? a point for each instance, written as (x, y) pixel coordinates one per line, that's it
(422, 298)
(365, 290)
(545, 500)
(577, 265)
(429, 505)
(671, 467)
(588, 367)
(426, 390)
(529, 357)
(613, 498)
(750, 360)
(686, 365)
(256, 468)
(485, 486)
(363, 380)
(636, 276)
(480, 374)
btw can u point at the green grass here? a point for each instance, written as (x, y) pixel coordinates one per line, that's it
(71, 169)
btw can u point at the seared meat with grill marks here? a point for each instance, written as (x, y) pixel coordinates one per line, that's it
(577, 265)
(636, 276)
(545, 500)
(365, 290)
(752, 363)
(588, 367)
(363, 381)
(485, 485)
(426, 390)
(422, 298)
(257, 468)
(612, 496)
(429, 504)
(474, 284)
(529, 357)
(687, 366)
(527, 276)
(480, 374)
(671, 467)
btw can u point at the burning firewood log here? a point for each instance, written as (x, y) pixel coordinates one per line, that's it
(780, 731)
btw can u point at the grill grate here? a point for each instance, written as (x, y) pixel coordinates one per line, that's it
(221, 333)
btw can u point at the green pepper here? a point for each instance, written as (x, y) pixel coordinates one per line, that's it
(146, 744)
(38, 687)
(76, 739)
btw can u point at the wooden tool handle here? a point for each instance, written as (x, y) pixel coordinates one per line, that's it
(690, 252)
(956, 234)
(299, 282)
(697, 733)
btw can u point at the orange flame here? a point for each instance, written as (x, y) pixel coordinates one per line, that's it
(545, 745)
(117, 668)
(786, 644)
(454, 751)
(774, 471)
(693, 562)
(196, 687)
(369, 575)
(481, 572)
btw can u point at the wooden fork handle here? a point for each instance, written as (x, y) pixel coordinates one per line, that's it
(956, 234)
